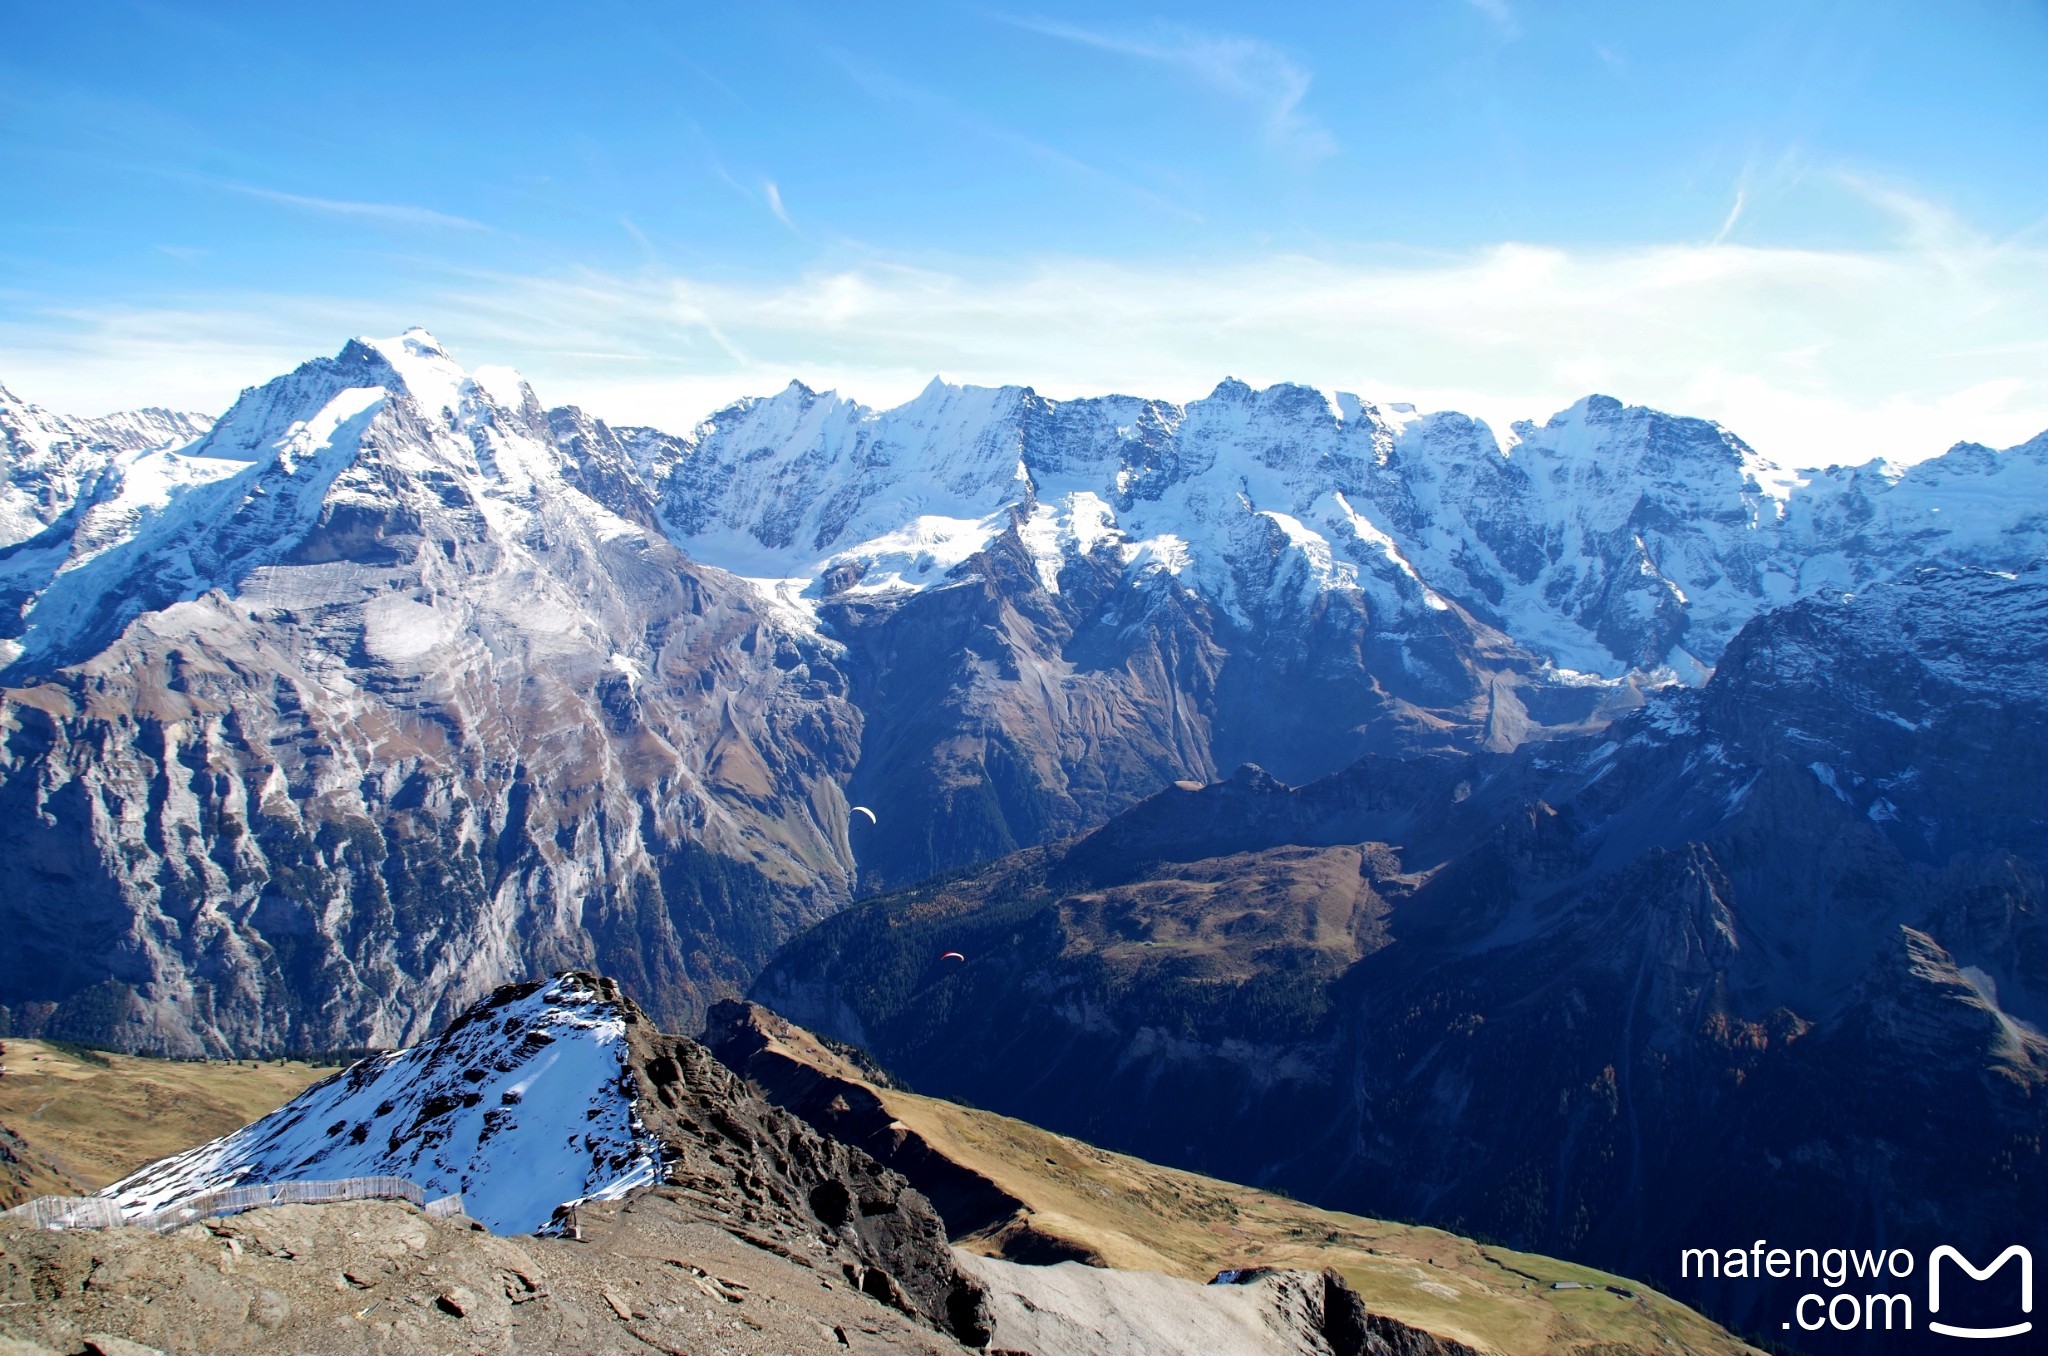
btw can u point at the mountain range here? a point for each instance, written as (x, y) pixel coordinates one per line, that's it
(322, 719)
(1632, 840)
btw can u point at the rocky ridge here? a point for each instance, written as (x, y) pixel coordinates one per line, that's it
(715, 1222)
(1069, 1226)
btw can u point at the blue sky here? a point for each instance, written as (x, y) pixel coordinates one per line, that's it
(1825, 224)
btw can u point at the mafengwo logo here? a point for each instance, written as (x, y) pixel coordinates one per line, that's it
(1863, 1293)
(1946, 1253)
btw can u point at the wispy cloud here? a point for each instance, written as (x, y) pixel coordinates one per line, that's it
(396, 214)
(774, 197)
(1921, 222)
(1501, 15)
(884, 87)
(1734, 213)
(1766, 178)
(1255, 74)
(1816, 356)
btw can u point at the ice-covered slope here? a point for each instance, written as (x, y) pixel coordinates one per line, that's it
(1971, 505)
(1611, 536)
(523, 1104)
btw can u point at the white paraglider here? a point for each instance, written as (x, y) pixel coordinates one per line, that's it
(864, 810)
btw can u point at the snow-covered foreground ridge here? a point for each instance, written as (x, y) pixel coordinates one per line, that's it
(524, 1104)
(1609, 539)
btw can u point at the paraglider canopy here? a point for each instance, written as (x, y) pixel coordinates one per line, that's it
(864, 810)
(953, 955)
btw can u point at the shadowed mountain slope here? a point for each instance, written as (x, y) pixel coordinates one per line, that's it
(1760, 954)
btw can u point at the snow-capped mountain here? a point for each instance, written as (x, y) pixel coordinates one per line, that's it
(1256, 501)
(525, 1104)
(50, 463)
(384, 711)
(394, 684)
(1609, 539)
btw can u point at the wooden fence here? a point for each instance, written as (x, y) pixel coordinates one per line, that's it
(98, 1212)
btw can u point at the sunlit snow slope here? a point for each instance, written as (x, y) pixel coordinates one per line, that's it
(523, 1104)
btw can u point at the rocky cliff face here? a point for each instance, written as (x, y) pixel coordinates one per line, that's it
(1758, 955)
(1048, 605)
(1050, 610)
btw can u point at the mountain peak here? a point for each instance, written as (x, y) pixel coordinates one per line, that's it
(430, 376)
(418, 341)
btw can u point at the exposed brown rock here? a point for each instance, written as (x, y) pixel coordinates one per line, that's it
(274, 1280)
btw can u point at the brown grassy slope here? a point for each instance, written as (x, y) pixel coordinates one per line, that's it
(1135, 1214)
(73, 1123)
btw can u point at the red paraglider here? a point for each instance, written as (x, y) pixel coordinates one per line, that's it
(953, 955)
